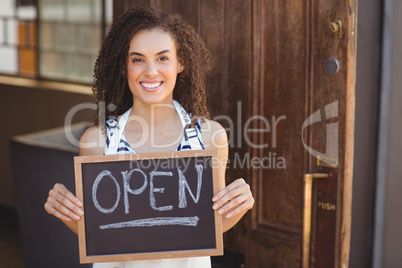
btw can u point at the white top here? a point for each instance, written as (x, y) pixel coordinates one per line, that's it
(191, 141)
(196, 262)
(116, 142)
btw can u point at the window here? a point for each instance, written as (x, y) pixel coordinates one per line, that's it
(69, 37)
(17, 38)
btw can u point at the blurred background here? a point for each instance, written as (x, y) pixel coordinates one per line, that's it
(47, 52)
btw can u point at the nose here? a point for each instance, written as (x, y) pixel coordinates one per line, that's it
(151, 70)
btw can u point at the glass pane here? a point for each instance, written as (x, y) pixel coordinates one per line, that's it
(26, 12)
(72, 41)
(51, 64)
(33, 33)
(109, 11)
(12, 30)
(80, 68)
(9, 59)
(27, 33)
(84, 11)
(2, 39)
(22, 33)
(7, 7)
(88, 38)
(108, 15)
(27, 61)
(97, 9)
(46, 35)
(51, 10)
(17, 38)
(62, 38)
(70, 31)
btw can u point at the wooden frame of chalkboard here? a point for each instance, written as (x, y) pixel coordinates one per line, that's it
(148, 206)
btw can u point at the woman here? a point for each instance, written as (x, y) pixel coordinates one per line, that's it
(150, 76)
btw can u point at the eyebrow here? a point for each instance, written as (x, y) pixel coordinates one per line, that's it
(159, 53)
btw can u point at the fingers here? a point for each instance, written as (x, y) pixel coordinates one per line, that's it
(247, 205)
(229, 193)
(235, 198)
(230, 187)
(50, 207)
(63, 204)
(64, 191)
(238, 201)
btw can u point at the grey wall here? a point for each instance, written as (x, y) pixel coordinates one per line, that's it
(388, 214)
(393, 213)
(367, 90)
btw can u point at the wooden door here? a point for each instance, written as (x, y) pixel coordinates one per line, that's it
(269, 76)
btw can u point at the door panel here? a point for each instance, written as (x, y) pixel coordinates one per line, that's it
(334, 89)
(280, 90)
(269, 75)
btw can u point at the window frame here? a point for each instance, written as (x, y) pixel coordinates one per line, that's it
(38, 76)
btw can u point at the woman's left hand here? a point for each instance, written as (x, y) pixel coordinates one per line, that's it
(234, 199)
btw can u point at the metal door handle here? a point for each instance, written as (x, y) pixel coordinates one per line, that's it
(308, 185)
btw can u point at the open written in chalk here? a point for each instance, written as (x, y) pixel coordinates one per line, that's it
(148, 206)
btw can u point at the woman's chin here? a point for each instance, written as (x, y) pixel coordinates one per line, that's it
(155, 100)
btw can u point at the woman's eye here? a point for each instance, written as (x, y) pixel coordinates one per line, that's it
(137, 60)
(163, 58)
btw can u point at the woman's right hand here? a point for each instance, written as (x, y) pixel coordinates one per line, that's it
(63, 204)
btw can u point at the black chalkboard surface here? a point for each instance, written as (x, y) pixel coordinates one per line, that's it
(148, 206)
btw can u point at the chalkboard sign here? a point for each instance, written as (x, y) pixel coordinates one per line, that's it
(148, 206)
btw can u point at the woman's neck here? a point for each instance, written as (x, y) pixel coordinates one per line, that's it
(153, 127)
(157, 116)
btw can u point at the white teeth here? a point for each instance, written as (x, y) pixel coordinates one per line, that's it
(154, 85)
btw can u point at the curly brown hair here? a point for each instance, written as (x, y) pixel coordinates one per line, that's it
(110, 81)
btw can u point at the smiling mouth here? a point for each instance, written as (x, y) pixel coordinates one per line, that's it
(151, 86)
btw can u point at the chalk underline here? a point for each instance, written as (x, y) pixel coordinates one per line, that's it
(149, 222)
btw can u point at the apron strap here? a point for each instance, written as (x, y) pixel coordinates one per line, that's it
(190, 133)
(115, 139)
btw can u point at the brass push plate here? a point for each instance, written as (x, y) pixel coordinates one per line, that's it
(323, 161)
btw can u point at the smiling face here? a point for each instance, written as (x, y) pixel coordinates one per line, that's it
(152, 67)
